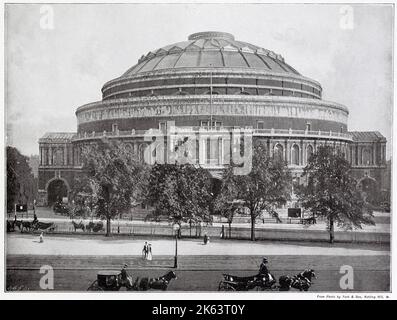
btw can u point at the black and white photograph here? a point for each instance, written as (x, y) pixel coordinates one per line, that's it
(223, 148)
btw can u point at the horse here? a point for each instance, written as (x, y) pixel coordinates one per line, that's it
(79, 225)
(44, 226)
(161, 283)
(24, 225)
(311, 220)
(302, 281)
(10, 225)
(96, 227)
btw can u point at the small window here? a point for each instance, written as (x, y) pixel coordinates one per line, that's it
(115, 127)
(163, 126)
(308, 127)
(204, 124)
(260, 125)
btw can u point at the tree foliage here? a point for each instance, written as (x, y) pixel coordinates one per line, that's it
(331, 192)
(181, 192)
(225, 202)
(267, 186)
(21, 184)
(113, 179)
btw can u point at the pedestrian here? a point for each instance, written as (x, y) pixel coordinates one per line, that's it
(145, 251)
(41, 238)
(149, 254)
(205, 238)
(263, 270)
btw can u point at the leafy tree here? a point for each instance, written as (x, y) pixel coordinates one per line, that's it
(225, 202)
(114, 179)
(181, 192)
(330, 191)
(267, 186)
(21, 184)
(84, 197)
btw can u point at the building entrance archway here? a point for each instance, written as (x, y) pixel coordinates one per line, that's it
(370, 189)
(56, 190)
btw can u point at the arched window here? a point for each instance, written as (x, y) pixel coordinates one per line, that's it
(309, 152)
(278, 152)
(141, 152)
(295, 155)
(366, 158)
(58, 157)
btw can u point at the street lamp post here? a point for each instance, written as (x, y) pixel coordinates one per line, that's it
(176, 228)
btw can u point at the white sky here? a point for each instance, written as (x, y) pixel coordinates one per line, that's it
(49, 73)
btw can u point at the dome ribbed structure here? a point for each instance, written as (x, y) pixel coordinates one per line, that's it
(211, 49)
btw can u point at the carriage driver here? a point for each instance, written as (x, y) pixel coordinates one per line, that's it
(126, 280)
(263, 270)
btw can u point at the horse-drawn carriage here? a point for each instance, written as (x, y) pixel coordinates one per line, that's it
(107, 281)
(302, 282)
(35, 225)
(236, 283)
(110, 280)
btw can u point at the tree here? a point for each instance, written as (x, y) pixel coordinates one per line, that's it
(225, 202)
(181, 192)
(114, 179)
(267, 186)
(21, 184)
(330, 191)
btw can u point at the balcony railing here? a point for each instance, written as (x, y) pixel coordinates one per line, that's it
(224, 129)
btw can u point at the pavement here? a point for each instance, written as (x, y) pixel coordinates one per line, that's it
(28, 244)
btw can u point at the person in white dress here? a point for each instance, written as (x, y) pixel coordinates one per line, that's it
(149, 254)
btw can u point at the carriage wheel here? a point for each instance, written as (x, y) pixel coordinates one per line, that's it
(223, 286)
(94, 287)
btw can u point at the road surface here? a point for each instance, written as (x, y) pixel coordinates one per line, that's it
(76, 260)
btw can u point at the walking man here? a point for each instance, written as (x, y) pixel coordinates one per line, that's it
(145, 250)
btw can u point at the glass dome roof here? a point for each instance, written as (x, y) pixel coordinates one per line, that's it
(211, 49)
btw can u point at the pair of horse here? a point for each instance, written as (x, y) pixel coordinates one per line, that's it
(33, 225)
(302, 281)
(91, 226)
(160, 283)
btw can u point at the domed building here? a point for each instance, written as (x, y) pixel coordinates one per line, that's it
(196, 95)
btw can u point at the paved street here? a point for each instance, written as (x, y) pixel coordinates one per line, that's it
(76, 261)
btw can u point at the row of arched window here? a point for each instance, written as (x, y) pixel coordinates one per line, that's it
(279, 153)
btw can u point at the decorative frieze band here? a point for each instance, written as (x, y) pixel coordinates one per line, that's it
(173, 108)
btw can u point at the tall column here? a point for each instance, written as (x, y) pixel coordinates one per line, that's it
(374, 153)
(197, 146)
(301, 153)
(286, 151)
(203, 149)
(220, 151)
(65, 155)
(288, 143)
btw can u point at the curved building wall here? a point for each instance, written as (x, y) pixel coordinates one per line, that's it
(272, 112)
(222, 81)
